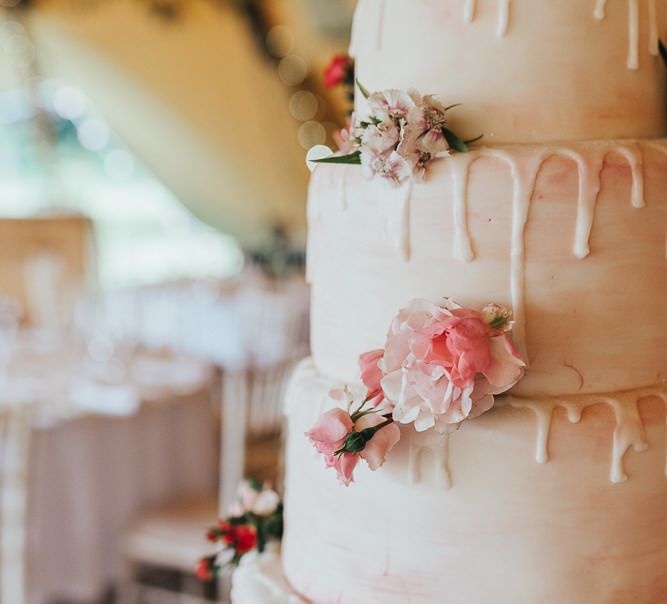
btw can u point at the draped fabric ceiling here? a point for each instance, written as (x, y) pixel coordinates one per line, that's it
(195, 100)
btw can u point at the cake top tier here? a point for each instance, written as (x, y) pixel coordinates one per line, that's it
(524, 70)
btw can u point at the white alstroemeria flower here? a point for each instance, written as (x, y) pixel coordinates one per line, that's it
(381, 138)
(393, 104)
(434, 143)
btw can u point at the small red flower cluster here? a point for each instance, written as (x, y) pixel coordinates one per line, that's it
(241, 538)
(255, 518)
(206, 569)
(339, 71)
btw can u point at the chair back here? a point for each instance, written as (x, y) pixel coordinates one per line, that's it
(15, 429)
(252, 404)
(46, 263)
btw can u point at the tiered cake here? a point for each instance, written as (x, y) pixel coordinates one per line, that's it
(558, 495)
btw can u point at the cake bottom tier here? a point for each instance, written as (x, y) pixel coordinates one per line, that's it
(473, 519)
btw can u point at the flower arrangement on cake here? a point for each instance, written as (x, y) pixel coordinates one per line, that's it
(440, 366)
(255, 519)
(400, 136)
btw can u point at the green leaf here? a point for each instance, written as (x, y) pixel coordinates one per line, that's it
(363, 90)
(474, 140)
(254, 484)
(454, 141)
(499, 322)
(453, 106)
(352, 158)
(663, 51)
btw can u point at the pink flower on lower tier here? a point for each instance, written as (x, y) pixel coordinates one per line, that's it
(443, 365)
(371, 375)
(336, 429)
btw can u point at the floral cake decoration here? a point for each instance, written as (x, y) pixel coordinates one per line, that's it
(254, 520)
(401, 134)
(441, 365)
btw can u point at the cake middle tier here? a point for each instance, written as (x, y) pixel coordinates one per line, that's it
(571, 237)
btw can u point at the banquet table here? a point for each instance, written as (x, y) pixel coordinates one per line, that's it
(100, 454)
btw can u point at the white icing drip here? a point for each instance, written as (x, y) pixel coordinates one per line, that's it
(503, 17)
(438, 446)
(653, 37)
(544, 416)
(599, 13)
(634, 156)
(589, 188)
(460, 170)
(525, 175)
(398, 222)
(629, 431)
(543, 412)
(633, 34)
(469, 11)
(590, 163)
(590, 168)
(382, 6)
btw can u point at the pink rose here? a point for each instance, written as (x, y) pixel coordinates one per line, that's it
(330, 434)
(371, 375)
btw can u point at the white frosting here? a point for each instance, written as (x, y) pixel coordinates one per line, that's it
(603, 200)
(259, 580)
(505, 529)
(558, 494)
(518, 66)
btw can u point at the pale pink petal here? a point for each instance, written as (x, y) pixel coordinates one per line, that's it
(424, 421)
(392, 386)
(331, 427)
(345, 465)
(371, 374)
(434, 143)
(380, 445)
(506, 367)
(406, 413)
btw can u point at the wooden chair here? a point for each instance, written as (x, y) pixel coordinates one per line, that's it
(173, 538)
(47, 264)
(15, 431)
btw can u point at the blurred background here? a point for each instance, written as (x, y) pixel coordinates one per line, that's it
(152, 293)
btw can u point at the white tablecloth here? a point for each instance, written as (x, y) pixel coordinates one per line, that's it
(90, 477)
(99, 455)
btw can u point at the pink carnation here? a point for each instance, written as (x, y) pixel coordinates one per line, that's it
(443, 365)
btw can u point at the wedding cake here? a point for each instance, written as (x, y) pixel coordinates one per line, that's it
(540, 477)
